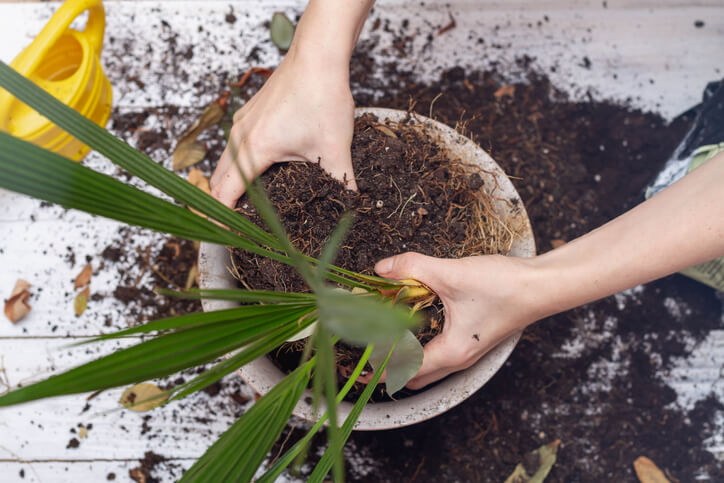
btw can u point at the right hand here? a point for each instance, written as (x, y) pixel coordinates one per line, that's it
(304, 112)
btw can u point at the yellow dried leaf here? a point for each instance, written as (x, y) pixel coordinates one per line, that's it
(508, 90)
(16, 307)
(82, 432)
(187, 154)
(191, 277)
(197, 178)
(648, 472)
(81, 301)
(540, 462)
(83, 277)
(385, 130)
(143, 397)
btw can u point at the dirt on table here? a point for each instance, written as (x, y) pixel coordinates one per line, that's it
(170, 267)
(413, 196)
(591, 377)
(576, 164)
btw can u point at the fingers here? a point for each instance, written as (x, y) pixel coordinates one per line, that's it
(338, 164)
(441, 358)
(227, 184)
(431, 271)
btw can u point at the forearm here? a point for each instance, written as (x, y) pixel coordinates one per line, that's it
(328, 31)
(680, 227)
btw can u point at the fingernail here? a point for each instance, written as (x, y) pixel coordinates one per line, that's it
(384, 266)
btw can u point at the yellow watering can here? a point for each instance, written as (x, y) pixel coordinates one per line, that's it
(66, 63)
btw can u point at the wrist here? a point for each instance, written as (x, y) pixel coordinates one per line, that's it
(328, 31)
(541, 288)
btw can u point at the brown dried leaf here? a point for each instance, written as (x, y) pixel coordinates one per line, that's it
(143, 397)
(508, 90)
(557, 243)
(187, 154)
(83, 277)
(648, 472)
(213, 113)
(81, 301)
(139, 475)
(188, 151)
(16, 307)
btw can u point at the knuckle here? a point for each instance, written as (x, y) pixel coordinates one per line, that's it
(407, 262)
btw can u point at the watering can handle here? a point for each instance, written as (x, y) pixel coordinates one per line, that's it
(31, 57)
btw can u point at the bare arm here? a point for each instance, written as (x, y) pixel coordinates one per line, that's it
(488, 298)
(680, 227)
(305, 111)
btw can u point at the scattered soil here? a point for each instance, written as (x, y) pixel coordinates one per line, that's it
(577, 165)
(143, 473)
(169, 268)
(412, 197)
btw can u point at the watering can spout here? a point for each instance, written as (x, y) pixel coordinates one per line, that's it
(66, 63)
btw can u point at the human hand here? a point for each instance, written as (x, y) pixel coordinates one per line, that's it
(304, 112)
(485, 302)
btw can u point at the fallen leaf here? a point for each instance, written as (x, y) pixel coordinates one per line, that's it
(281, 30)
(16, 307)
(82, 432)
(139, 475)
(385, 130)
(536, 464)
(83, 277)
(197, 178)
(143, 397)
(187, 154)
(505, 91)
(81, 301)
(557, 243)
(191, 277)
(213, 113)
(648, 472)
(189, 151)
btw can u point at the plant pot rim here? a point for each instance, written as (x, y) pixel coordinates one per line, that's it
(262, 375)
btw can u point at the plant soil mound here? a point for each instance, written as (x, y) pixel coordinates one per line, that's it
(412, 197)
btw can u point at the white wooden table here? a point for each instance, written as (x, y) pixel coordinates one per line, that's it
(649, 50)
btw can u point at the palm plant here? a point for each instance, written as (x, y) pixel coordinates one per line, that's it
(367, 313)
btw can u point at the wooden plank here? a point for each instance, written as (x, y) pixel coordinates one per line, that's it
(42, 430)
(629, 44)
(80, 471)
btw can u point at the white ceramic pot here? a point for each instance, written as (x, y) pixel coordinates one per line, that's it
(262, 375)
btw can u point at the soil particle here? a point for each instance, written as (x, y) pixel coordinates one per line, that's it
(143, 473)
(73, 443)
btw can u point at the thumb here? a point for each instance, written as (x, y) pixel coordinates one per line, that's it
(428, 270)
